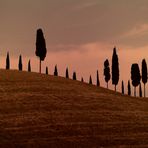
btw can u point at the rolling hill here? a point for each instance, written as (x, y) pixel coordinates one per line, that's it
(38, 110)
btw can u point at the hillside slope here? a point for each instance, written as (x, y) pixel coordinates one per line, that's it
(37, 110)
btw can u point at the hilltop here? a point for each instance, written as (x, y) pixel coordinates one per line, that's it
(38, 110)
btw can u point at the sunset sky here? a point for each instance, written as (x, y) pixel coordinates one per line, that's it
(79, 34)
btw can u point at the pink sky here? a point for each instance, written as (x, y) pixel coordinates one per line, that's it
(79, 34)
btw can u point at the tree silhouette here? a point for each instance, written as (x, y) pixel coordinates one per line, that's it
(20, 66)
(115, 68)
(7, 61)
(129, 88)
(67, 73)
(122, 87)
(90, 80)
(98, 82)
(140, 90)
(106, 71)
(40, 46)
(135, 76)
(46, 70)
(56, 71)
(144, 74)
(74, 76)
(82, 80)
(29, 66)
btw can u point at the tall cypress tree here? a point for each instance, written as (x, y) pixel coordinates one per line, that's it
(129, 88)
(29, 66)
(74, 76)
(107, 71)
(82, 80)
(56, 71)
(7, 61)
(40, 46)
(144, 74)
(122, 87)
(20, 66)
(135, 76)
(46, 70)
(98, 82)
(67, 73)
(115, 68)
(90, 80)
(140, 90)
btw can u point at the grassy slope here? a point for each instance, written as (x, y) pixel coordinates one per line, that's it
(41, 111)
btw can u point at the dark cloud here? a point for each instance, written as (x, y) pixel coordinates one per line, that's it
(70, 22)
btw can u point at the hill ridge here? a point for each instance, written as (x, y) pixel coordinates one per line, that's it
(37, 110)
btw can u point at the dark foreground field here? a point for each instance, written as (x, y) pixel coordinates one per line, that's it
(45, 111)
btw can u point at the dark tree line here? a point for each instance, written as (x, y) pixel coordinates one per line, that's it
(136, 77)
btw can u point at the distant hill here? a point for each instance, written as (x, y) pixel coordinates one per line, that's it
(38, 110)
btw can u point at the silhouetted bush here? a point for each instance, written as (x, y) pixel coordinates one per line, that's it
(122, 87)
(129, 88)
(56, 71)
(90, 80)
(115, 68)
(20, 66)
(144, 74)
(46, 70)
(107, 71)
(7, 61)
(98, 82)
(135, 76)
(67, 73)
(140, 90)
(40, 46)
(74, 76)
(29, 66)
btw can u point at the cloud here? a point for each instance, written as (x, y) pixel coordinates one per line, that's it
(139, 30)
(71, 24)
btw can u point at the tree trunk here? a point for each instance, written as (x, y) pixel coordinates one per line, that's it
(144, 90)
(135, 91)
(40, 66)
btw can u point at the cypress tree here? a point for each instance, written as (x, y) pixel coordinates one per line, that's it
(56, 71)
(129, 88)
(135, 76)
(98, 82)
(122, 87)
(20, 66)
(90, 80)
(144, 74)
(82, 79)
(40, 47)
(67, 73)
(29, 66)
(46, 70)
(107, 71)
(7, 61)
(74, 76)
(140, 90)
(115, 68)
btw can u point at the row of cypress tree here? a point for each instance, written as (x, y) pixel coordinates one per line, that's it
(136, 78)
(135, 73)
